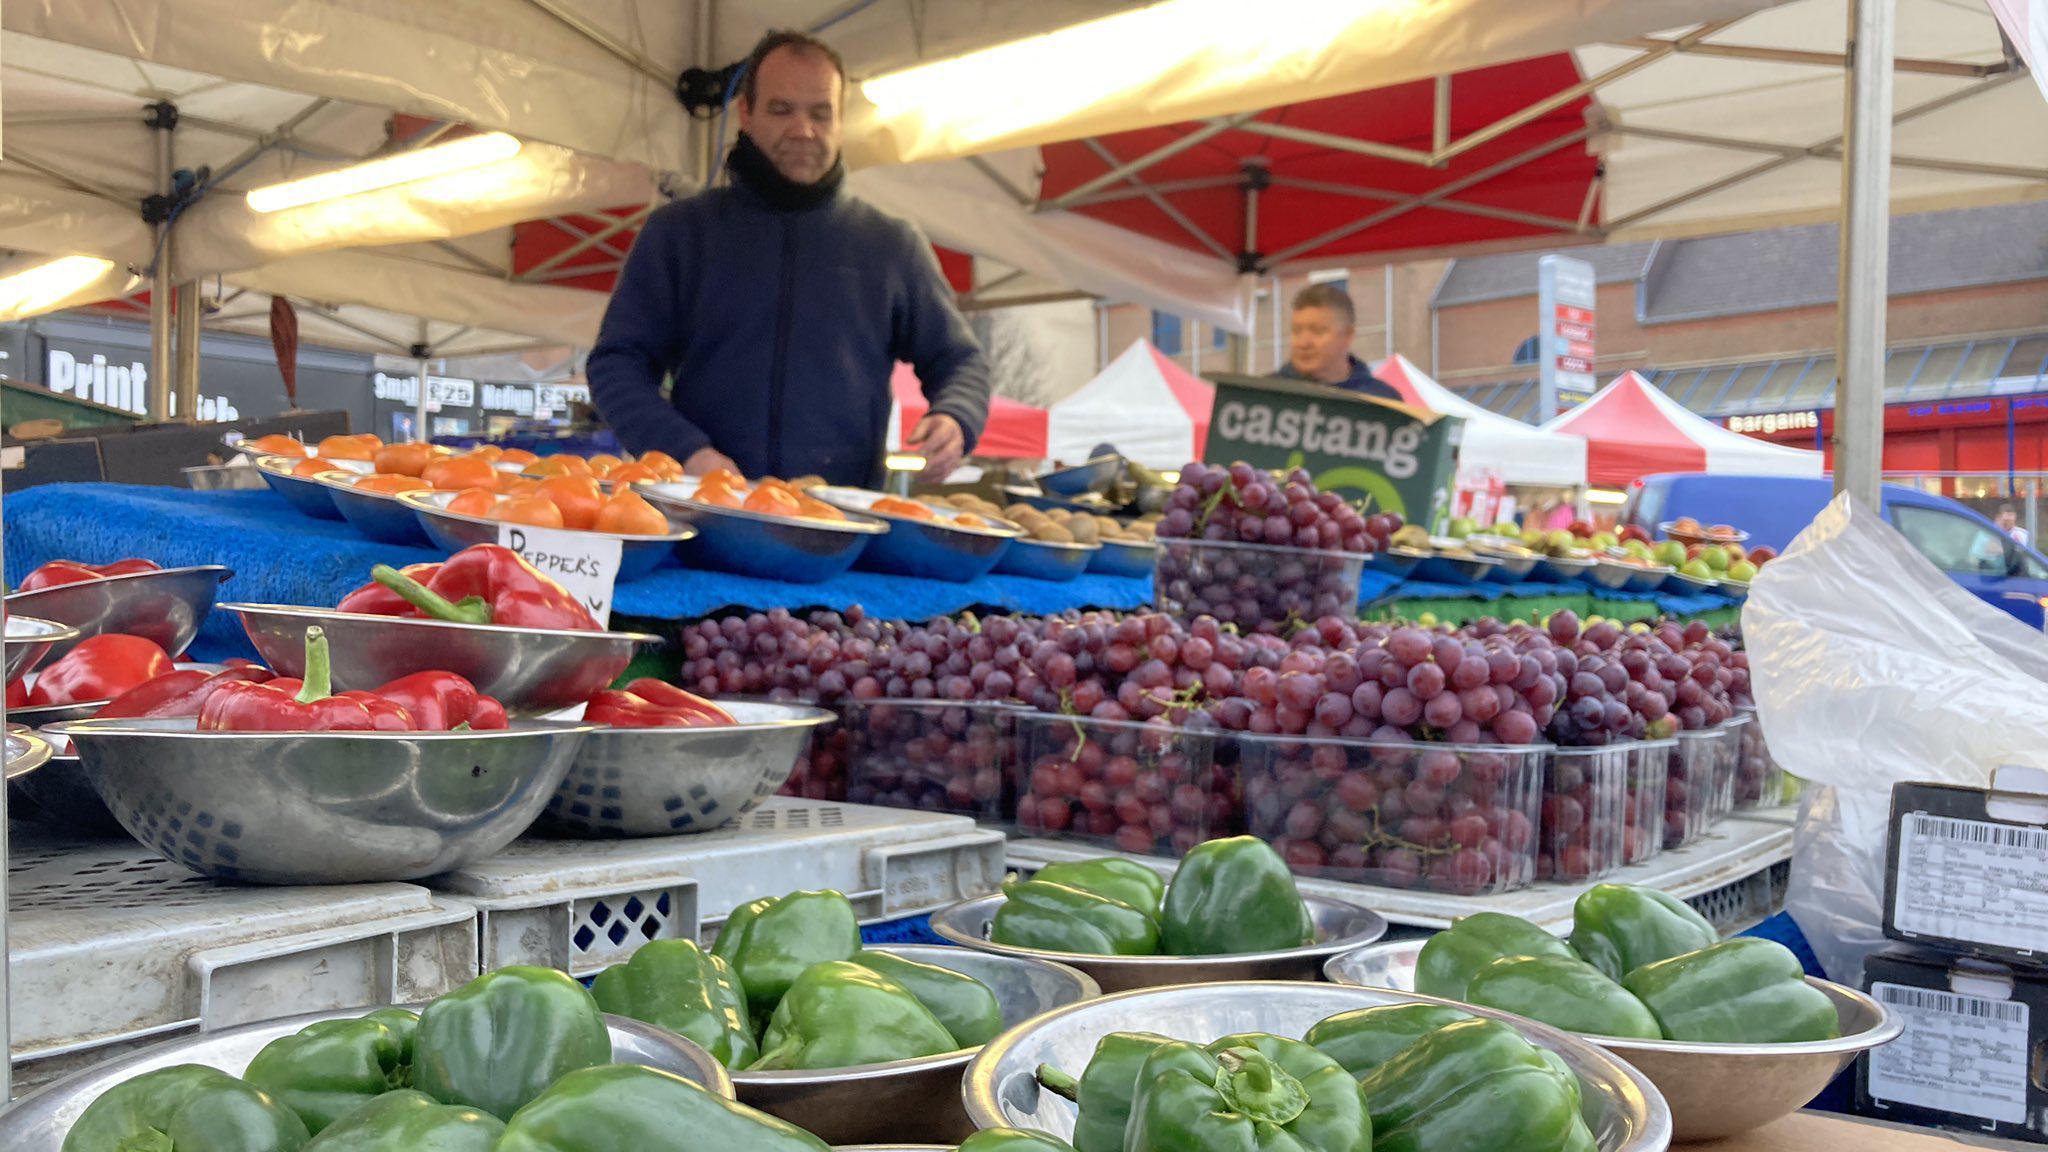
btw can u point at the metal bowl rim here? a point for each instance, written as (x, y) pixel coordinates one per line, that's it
(1059, 545)
(222, 572)
(856, 525)
(56, 633)
(1656, 1111)
(348, 485)
(1008, 529)
(1375, 927)
(1091, 462)
(127, 726)
(269, 465)
(957, 1056)
(239, 608)
(802, 716)
(38, 753)
(1701, 537)
(421, 502)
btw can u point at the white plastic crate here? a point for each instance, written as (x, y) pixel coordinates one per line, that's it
(112, 944)
(1735, 851)
(583, 905)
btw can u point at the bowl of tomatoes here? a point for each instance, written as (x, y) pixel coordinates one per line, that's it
(768, 528)
(456, 520)
(927, 540)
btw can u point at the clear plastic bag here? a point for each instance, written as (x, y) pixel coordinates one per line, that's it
(1871, 667)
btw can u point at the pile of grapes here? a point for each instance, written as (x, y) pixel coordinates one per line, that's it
(1305, 564)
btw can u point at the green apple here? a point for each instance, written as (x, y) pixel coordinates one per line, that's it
(1715, 556)
(1742, 570)
(1561, 540)
(1533, 538)
(1636, 548)
(1669, 552)
(1507, 528)
(1697, 569)
(1463, 526)
(1604, 540)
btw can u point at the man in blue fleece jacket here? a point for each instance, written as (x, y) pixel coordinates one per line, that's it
(779, 303)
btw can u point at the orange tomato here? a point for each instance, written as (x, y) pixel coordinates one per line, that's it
(725, 476)
(403, 459)
(276, 445)
(812, 508)
(662, 462)
(459, 472)
(773, 499)
(720, 495)
(627, 513)
(538, 511)
(489, 452)
(391, 483)
(910, 509)
(517, 456)
(478, 502)
(313, 466)
(559, 466)
(970, 520)
(517, 485)
(345, 448)
(578, 498)
(602, 464)
(632, 473)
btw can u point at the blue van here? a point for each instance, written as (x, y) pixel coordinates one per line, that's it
(2002, 572)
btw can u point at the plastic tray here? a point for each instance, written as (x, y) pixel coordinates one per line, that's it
(1649, 764)
(1759, 781)
(1121, 785)
(1585, 809)
(932, 756)
(1257, 587)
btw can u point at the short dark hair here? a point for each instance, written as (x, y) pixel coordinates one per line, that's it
(2004, 508)
(1327, 296)
(791, 39)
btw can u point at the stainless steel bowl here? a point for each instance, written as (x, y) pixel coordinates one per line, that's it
(26, 752)
(1395, 562)
(1510, 567)
(1736, 590)
(935, 549)
(1561, 569)
(1001, 1089)
(166, 606)
(1714, 1090)
(37, 1122)
(912, 1099)
(31, 638)
(1441, 569)
(1096, 473)
(377, 515)
(1650, 579)
(1609, 574)
(1340, 927)
(59, 794)
(531, 671)
(756, 544)
(1123, 558)
(1046, 560)
(638, 555)
(304, 493)
(322, 807)
(628, 782)
(1680, 584)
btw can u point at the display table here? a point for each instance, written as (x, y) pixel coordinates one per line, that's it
(1819, 1132)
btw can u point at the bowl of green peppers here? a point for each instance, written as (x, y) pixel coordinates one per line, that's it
(1230, 912)
(1733, 1032)
(1309, 1065)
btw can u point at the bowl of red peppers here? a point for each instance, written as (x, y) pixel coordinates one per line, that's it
(666, 762)
(291, 781)
(484, 614)
(134, 596)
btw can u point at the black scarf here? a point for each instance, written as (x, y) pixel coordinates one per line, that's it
(752, 167)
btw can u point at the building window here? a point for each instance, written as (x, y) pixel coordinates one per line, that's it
(1527, 351)
(1218, 338)
(1166, 333)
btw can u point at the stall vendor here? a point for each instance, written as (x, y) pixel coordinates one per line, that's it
(779, 303)
(1324, 324)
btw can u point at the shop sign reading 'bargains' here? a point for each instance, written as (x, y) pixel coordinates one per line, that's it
(1400, 458)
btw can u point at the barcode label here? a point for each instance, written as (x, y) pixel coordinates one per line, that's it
(1976, 881)
(1965, 1055)
(1953, 1004)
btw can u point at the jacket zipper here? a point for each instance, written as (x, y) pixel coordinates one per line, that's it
(779, 366)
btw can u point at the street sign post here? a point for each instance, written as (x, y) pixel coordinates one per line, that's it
(1565, 335)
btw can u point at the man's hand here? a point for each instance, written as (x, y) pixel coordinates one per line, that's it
(707, 459)
(939, 440)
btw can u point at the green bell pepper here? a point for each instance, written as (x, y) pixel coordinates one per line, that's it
(1365, 1038)
(1474, 1084)
(1013, 1140)
(407, 1121)
(1103, 1091)
(1054, 917)
(1740, 991)
(185, 1108)
(675, 984)
(771, 941)
(839, 1014)
(1618, 928)
(1563, 992)
(1246, 1092)
(1233, 895)
(963, 1004)
(501, 1039)
(1111, 876)
(326, 1070)
(630, 1108)
(1450, 958)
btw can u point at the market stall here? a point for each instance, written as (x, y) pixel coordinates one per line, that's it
(1632, 429)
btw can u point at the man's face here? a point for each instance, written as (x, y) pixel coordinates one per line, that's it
(2007, 518)
(1321, 341)
(794, 116)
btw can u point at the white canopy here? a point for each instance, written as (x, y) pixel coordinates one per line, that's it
(1154, 411)
(1516, 452)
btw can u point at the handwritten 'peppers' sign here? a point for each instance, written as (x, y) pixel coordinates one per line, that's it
(1400, 457)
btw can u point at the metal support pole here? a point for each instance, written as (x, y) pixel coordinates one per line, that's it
(1279, 326)
(1865, 251)
(706, 131)
(186, 403)
(162, 365)
(6, 1022)
(1387, 294)
(419, 407)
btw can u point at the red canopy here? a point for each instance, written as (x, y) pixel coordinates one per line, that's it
(1015, 431)
(1632, 429)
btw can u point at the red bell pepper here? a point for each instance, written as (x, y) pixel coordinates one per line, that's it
(651, 703)
(489, 584)
(17, 694)
(442, 701)
(58, 572)
(99, 668)
(181, 693)
(374, 599)
(309, 705)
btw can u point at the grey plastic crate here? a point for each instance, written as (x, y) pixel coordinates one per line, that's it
(583, 905)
